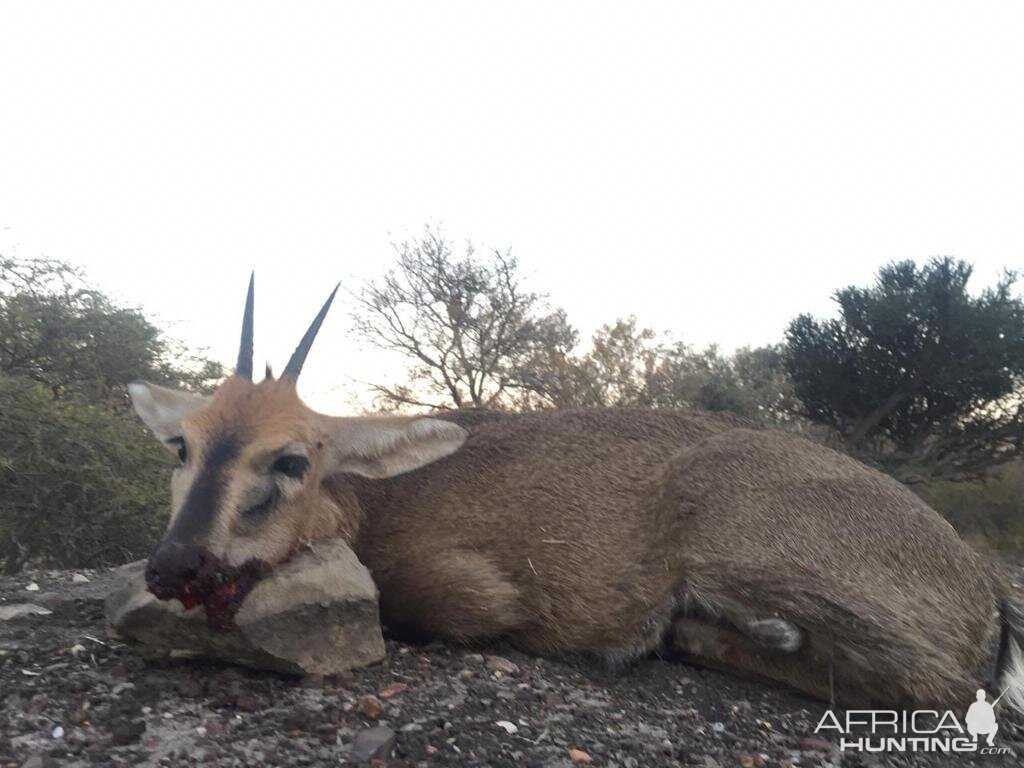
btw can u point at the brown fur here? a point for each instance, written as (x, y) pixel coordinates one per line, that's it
(603, 521)
(595, 531)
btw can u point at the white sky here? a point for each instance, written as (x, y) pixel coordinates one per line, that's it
(713, 167)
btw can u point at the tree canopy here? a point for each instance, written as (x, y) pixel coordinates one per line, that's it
(81, 482)
(916, 371)
(474, 337)
(629, 365)
(71, 338)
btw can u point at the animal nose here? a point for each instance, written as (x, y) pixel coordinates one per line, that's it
(172, 566)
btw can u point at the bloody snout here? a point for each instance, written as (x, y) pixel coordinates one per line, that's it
(173, 568)
(194, 575)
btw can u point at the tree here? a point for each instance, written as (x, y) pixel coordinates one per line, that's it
(613, 373)
(916, 373)
(751, 382)
(81, 483)
(767, 389)
(466, 324)
(475, 338)
(71, 338)
(628, 365)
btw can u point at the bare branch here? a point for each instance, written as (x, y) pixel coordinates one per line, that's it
(463, 321)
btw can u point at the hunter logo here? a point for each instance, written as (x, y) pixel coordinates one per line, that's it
(922, 730)
(981, 718)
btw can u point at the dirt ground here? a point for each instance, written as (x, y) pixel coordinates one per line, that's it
(70, 695)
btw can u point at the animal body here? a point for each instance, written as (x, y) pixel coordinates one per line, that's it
(611, 532)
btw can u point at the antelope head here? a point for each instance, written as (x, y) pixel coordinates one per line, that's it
(253, 461)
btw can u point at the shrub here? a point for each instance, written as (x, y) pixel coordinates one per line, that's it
(80, 484)
(988, 512)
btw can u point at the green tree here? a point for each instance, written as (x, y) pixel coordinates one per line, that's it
(71, 338)
(81, 483)
(916, 373)
(751, 382)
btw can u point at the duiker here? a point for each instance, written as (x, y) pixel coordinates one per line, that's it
(612, 532)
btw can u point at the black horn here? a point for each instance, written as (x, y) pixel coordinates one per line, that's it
(294, 367)
(244, 367)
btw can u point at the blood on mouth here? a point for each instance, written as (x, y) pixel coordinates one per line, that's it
(219, 587)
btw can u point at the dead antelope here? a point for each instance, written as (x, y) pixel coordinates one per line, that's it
(603, 531)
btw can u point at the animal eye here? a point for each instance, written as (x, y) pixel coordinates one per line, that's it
(179, 443)
(291, 466)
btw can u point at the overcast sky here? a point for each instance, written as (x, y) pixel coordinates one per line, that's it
(714, 168)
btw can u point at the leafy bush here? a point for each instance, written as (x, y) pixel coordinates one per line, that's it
(80, 484)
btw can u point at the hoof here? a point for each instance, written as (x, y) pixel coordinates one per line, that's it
(776, 634)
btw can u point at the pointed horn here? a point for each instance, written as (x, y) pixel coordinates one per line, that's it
(294, 367)
(243, 369)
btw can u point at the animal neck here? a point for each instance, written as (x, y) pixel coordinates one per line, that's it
(342, 514)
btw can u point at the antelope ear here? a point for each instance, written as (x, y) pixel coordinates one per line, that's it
(384, 446)
(162, 409)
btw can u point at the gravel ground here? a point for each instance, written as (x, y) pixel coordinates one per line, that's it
(70, 695)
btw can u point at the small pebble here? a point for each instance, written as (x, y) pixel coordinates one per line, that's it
(392, 690)
(501, 664)
(33, 587)
(579, 756)
(371, 706)
(58, 732)
(79, 578)
(508, 727)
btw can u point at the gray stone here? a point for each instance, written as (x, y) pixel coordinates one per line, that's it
(16, 610)
(316, 614)
(501, 664)
(373, 744)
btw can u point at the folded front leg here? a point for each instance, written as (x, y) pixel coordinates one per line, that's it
(456, 595)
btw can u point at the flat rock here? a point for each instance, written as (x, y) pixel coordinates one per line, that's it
(16, 610)
(373, 744)
(316, 614)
